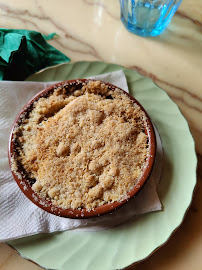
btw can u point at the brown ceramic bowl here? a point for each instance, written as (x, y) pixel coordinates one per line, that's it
(25, 185)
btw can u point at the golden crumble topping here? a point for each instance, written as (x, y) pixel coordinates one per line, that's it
(84, 146)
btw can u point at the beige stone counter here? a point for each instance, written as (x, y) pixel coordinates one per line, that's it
(91, 30)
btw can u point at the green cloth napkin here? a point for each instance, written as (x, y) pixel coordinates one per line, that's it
(24, 52)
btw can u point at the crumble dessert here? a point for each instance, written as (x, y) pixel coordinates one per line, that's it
(83, 145)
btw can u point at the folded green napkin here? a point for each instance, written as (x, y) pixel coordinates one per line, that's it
(24, 52)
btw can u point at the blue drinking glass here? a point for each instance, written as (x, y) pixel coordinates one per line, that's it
(147, 17)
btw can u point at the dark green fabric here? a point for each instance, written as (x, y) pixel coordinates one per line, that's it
(24, 52)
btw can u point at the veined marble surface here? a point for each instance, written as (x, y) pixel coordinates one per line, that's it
(91, 30)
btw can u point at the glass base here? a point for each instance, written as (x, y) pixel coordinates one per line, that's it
(143, 31)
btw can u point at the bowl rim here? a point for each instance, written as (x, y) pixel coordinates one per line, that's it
(46, 204)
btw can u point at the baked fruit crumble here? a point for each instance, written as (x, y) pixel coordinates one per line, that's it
(83, 145)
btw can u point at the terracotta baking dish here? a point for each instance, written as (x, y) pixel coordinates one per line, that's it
(25, 185)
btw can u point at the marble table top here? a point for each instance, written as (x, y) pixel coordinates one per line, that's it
(91, 30)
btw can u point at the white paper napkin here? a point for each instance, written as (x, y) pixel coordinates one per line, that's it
(18, 216)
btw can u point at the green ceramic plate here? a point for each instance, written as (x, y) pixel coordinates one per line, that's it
(135, 240)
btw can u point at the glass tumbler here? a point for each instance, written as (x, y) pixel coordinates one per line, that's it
(147, 17)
